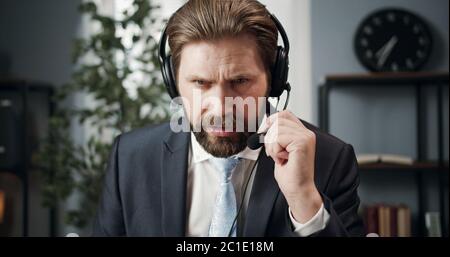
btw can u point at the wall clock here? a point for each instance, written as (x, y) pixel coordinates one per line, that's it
(393, 39)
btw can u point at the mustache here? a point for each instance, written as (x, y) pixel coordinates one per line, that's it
(225, 122)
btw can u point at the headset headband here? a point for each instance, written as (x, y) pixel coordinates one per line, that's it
(163, 39)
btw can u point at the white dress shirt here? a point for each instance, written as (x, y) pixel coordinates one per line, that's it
(203, 185)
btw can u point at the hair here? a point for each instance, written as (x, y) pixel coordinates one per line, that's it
(200, 20)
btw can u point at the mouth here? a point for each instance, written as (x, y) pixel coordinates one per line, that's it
(219, 132)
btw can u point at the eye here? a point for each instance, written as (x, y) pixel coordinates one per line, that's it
(239, 81)
(199, 82)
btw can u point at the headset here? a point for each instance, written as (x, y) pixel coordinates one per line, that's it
(279, 84)
(279, 71)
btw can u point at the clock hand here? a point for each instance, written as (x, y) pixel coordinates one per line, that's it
(386, 50)
(383, 49)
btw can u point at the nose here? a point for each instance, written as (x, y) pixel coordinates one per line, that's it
(215, 100)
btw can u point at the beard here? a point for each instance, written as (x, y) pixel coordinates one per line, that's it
(223, 147)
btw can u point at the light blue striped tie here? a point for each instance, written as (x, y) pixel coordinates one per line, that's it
(225, 207)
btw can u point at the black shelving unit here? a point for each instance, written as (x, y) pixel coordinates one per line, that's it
(418, 81)
(24, 88)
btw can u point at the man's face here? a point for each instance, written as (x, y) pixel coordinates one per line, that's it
(210, 76)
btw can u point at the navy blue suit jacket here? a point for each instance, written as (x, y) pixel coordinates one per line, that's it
(145, 188)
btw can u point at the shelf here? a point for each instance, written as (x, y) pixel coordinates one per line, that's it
(419, 166)
(419, 82)
(388, 78)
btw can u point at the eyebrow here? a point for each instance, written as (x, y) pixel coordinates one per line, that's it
(234, 76)
(196, 77)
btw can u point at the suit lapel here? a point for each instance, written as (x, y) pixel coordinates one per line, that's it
(173, 183)
(264, 193)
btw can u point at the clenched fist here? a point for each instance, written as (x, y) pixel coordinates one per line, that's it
(292, 146)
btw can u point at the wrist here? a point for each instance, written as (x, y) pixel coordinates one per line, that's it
(305, 203)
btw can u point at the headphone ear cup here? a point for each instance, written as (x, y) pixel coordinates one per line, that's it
(169, 78)
(279, 73)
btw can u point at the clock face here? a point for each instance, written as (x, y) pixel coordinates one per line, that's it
(393, 40)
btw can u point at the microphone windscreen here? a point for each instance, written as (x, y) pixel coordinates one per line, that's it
(255, 141)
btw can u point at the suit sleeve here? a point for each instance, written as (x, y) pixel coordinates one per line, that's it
(109, 218)
(341, 198)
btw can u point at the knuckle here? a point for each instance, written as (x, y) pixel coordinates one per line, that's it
(283, 114)
(311, 136)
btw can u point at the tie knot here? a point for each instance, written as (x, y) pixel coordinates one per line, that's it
(225, 166)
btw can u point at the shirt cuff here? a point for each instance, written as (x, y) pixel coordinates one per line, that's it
(315, 224)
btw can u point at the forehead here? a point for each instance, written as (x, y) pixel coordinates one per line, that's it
(239, 53)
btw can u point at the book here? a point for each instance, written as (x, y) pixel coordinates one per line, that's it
(393, 221)
(403, 221)
(381, 221)
(384, 221)
(388, 220)
(2, 206)
(384, 158)
(371, 219)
